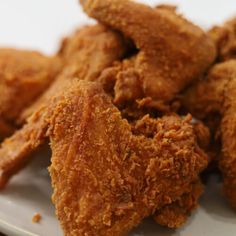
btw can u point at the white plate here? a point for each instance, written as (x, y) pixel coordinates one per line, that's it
(29, 192)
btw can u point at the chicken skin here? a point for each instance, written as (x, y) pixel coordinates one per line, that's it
(106, 177)
(170, 51)
(216, 96)
(85, 54)
(97, 48)
(24, 75)
(225, 39)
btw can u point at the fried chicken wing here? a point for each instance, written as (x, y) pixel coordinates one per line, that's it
(15, 152)
(24, 75)
(125, 169)
(85, 54)
(225, 39)
(97, 47)
(172, 52)
(216, 95)
(107, 179)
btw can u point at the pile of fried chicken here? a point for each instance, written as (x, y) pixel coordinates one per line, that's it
(135, 107)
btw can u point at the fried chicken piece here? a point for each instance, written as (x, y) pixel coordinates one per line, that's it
(177, 213)
(85, 55)
(127, 178)
(107, 179)
(110, 46)
(216, 94)
(15, 152)
(174, 215)
(172, 52)
(225, 39)
(97, 48)
(24, 76)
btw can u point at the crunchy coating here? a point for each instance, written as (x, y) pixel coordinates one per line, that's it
(216, 95)
(174, 215)
(85, 55)
(225, 39)
(177, 213)
(24, 75)
(97, 48)
(78, 48)
(15, 152)
(172, 52)
(107, 174)
(107, 179)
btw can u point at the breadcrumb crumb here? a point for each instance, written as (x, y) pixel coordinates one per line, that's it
(36, 218)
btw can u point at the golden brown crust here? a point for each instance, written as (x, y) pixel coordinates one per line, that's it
(85, 55)
(15, 152)
(171, 51)
(24, 75)
(217, 94)
(106, 179)
(225, 39)
(177, 213)
(207, 96)
(94, 43)
(152, 164)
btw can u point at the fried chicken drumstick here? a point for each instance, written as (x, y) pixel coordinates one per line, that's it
(171, 51)
(24, 75)
(216, 95)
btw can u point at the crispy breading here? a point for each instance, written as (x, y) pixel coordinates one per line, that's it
(121, 176)
(24, 75)
(225, 39)
(97, 48)
(216, 95)
(85, 55)
(171, 51)
(107, 179)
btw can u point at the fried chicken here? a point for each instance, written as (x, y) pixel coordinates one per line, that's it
(171, 51)
(176, 214)
(143, 174)
(106, 179)
(5, 129)
(225, 39)
(85, 54)
(97, 47)
(138, 167)
(216, 95)
(24, 75)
